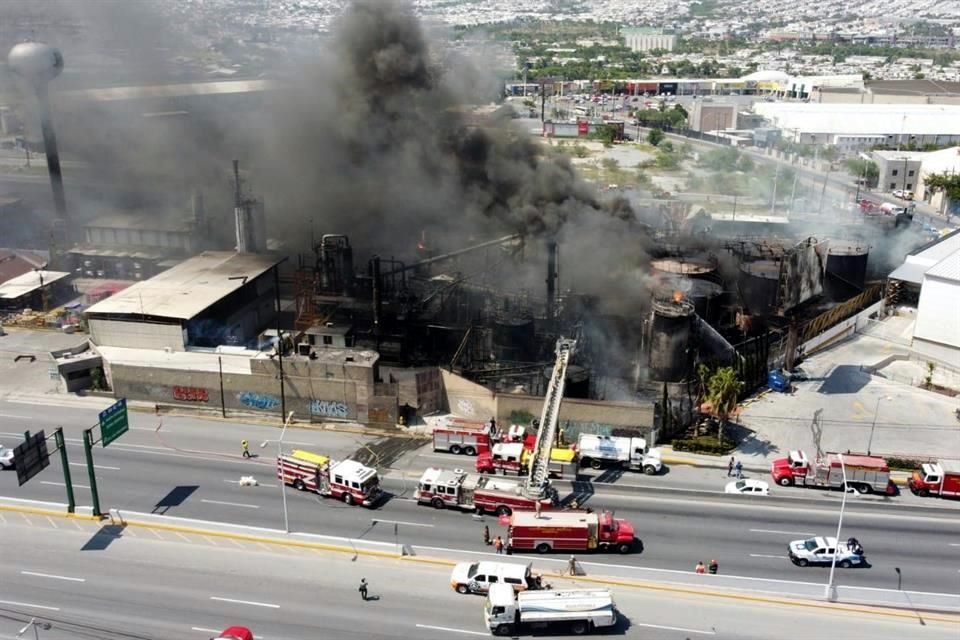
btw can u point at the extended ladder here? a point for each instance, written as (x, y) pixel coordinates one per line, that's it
(539, 464)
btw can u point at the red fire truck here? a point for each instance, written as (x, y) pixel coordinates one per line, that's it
(345, 480)
(865, 474)
(458, 489)
(461, 436)
(514, 457)
(936, 479)
(569, 531)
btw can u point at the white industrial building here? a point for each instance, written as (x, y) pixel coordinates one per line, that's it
(648, 39)
(936, 270)
(943, 161)
(214, 298)
(859, 126)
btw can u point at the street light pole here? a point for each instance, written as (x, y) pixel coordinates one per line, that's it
(283, 484)
(831, 591)
(876, 411)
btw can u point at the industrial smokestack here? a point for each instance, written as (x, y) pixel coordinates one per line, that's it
(552, 277)
(249, 219)
(38, 64)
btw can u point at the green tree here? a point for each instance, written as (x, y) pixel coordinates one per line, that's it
(723, 392)
(667, 160)
(610, 164)
(946, 183)
(655, 136)
(864, 169)
(745, 164)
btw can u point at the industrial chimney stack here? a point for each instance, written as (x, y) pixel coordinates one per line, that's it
(38, 64)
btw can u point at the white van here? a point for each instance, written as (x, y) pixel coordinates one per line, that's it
(476, 577)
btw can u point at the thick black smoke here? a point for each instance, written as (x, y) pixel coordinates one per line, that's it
(372, 141)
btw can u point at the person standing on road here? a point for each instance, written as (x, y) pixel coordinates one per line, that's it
(486, 535)
(363, 589)
(699, 568)
(739, 469)
(713, 568)
(730, 467)
(498, 544)
(572, 565)
(246, 448)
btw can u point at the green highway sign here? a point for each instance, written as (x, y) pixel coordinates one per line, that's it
(113, 421)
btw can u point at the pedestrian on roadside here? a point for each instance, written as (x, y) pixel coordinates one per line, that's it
(713, 567)
(498, 544)
(246, 448)
(699, 568)
(572, 566)
(486, 535)
(739, 469)
(730, 467)
(363, 589)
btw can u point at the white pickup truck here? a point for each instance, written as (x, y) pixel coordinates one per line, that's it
(598, 451)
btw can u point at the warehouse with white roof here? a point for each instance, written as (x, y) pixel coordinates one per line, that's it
(860, 126)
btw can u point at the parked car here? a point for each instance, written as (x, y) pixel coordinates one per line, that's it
(476, 577)
(903, 194)
(748, 487)
(820, 551)
(6, 458)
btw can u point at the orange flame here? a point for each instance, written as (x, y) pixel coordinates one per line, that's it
(677, 296)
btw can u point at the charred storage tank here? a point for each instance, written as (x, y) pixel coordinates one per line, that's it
(759, 286)
(671, 332)
(846, 270)
(706, 296)
(687, 267)
(514, 338)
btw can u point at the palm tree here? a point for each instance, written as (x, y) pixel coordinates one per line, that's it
(723, 391)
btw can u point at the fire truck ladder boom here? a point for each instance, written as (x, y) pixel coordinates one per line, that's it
(539, 465)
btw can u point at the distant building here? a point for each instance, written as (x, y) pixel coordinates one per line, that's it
(891, 92)
(898, 169)
(712, 116)
(137, 246)
(943, 161)
(33, 289)
(860, 126)
(648, 39)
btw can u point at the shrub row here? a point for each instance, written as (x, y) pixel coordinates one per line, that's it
(705, 444)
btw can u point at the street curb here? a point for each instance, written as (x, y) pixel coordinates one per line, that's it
(319, 546)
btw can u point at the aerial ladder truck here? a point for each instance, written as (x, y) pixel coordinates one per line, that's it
(539, 464)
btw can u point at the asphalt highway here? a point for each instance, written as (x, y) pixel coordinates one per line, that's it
(192, 469)
(144, 587)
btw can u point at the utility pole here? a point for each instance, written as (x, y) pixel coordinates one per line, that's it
(276, 285)
(773, 199)
(823, 192)
(793, 193)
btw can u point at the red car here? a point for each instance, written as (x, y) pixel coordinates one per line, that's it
(235, 633)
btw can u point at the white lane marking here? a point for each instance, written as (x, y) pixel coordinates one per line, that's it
(96, 466)
(27, 604)
(409, 524)
(955, 544)
(763, 555)
(249, 602)
(10, 415)
(60, 484)
(660, 626)
(232, 504)
(205, 630)
(50, 575)
(471, 633)
(788, 533)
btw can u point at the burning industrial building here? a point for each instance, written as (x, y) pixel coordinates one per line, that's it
(419, 243)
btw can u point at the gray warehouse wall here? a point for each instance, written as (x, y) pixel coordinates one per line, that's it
(309, 398)
(584, 416)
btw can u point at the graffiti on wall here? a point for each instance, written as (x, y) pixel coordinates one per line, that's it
(190, 394)
(328, 408)
(258, 400)
(465, 407)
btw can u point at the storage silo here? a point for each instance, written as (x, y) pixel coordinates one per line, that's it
(671, 326)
